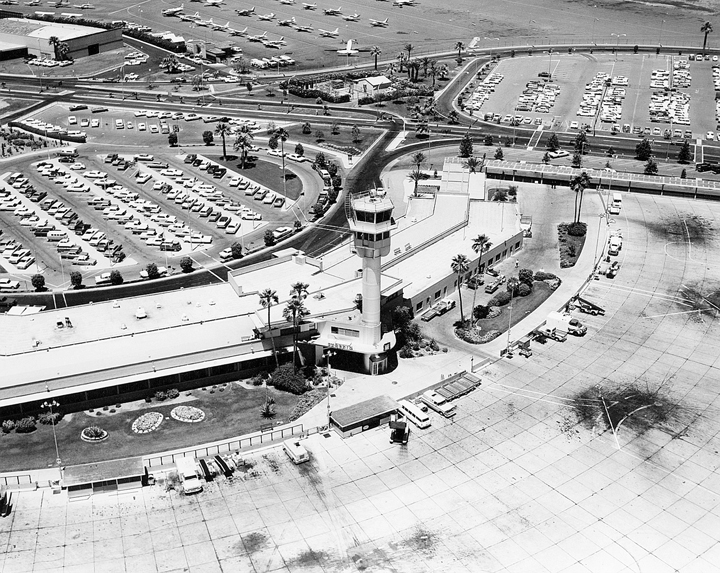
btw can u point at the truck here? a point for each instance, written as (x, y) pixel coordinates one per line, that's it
(560, 324)
(436, 402)
(526, 225)
(187, 472)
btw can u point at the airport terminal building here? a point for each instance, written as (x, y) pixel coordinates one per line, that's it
(107, 352)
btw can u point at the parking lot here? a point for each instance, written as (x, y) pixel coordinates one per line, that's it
(94, 212)
(570, 75)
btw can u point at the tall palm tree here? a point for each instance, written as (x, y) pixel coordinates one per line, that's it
(433, 71)
(268, 298)
(375, 51)
(54, 41)
(299, 290)
(481, 244)
(706, 28)
(413, 67)
(460, 264)
(417, 159)
(472, 164)
(459, 47)
(282, 134)
(425, 63)
(243, 142)
(579, 184)
(401, 57)
(223, 129)
(293, 312)
(409, 48)
(415, 176)
(390, 69)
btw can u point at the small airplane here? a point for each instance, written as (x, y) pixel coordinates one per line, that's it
(290, 22)
(173, 11)
(249, 12)
(267, 17)
(33, 3)
(214, 2)
(309, 6)
(348, 50)
(287, 1)
(277, 44)
(219, 27)
(204, 23)
(259, 38)
(333, 11)
(352, 17)
(402, 3)
(233, 32)
(300, 28)
(329, 34)
(13, 2)
(84, 6)
(190, 18)
(379, 23)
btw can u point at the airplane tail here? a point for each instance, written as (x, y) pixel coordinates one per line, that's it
(336, 31)
(293, 20)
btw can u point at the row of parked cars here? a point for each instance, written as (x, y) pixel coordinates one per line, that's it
(483, 91)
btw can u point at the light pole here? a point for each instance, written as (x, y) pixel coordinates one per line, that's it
(592, 35)
(492, 39)
(328, 355)
(50, 405)
(662, 25)
(617, 43)
(507, 349)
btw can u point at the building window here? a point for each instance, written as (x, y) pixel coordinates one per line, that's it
(437, 295)
(345, 332)
(418, 306)
(504, 254)
(517, 245)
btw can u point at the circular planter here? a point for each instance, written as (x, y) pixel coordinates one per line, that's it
(147, 423)
(90, 440)
(188, 414)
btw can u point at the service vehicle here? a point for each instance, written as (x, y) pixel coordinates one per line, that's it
(295, 451)
(187, 472)
(436, 402)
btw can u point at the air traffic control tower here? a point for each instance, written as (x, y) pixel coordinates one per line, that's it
(369, 215)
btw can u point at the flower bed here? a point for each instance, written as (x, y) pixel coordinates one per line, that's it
(93, 434)
(148, 422)
(188, 414)
(474, 336)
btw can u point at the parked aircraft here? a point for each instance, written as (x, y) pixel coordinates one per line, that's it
(233, 32)
(277, 44)
(204, 23)
(219, 27)
(267, 17)
(33, 3)
(190, 18)
(259, 38)
(249, 12)
(173, 11)
(379, 23)
(84, 6)
(309, 6)
(290, 22)
(348, 50)
(333, 11)
(352, 17)
(402, 3)
(300, 28)
(329, 34)
(214, 2)
(287, 1)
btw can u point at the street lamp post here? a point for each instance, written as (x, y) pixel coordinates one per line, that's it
(509, 323)
(328, 355)
(50, 405)
(592, 34)
(617, 43)
(662, 25)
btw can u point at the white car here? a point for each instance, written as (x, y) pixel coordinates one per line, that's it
(72, 120)
(84, 122)
(710, 136)
(77, 166)
(95, 174)
(7, 284)
(574, 125)
(141, 127)
(154, 128)
(95, 123)
(558, 153)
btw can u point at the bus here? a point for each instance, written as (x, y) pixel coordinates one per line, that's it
(414, 414)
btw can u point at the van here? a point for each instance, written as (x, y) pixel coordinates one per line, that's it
(617, 200)
(187, 472)
(614, 246)
(438, 403)
(56, 235)
(297, 453)
(119, 124)
(414, 414)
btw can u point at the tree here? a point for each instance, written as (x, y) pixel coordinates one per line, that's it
(299, 150)
(169, 64)
(499, 154)
(268, 298)
(355, 131)
(706, 28)
(269, 238)
(546, 158)
(319, 135)
(512, 286)
(581, 143)
(466, 146)
(306, 128)
(207, 137)
(415, 176)
(186, 264)
(152, 271)
(38, 282)
(651, 167)
(273, 143)
(643, 150)
(460, 265)
(336, 181)
(500, 195)
(610, 151)
(413, 68)
(459, 47)
(54, 41)
(488, 140)
(683, 174)
(320, 161)
(422, 129)
(553, 143)
(223, 130)
(417, 159)
(579, 184)
(76, 279)
(401, 61)
(116, 278)
(481, 244)
(433, 72)
(172, 139)
(409, 48)
(236, 250)
(473, 164)
(197, 82)
(526, 276)
(294, 312)
(248, 87)
(453, 117)
(243, 143)
(241, 66)
(375, 51)
(577, 160)
(685, 153)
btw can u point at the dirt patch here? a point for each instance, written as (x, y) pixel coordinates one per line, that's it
(254, 542)
(272, 464)
(682, 228)
(310, 558)
(707, 306)
(422, 540)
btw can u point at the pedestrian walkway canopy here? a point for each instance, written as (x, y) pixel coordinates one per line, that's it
(363, 415)
(115, 475)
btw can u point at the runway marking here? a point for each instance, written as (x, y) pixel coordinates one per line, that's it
(673, 313)
(128, 7)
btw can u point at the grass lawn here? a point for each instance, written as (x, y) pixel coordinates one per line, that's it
(233, 412)
(522, 306)
(344, 138)
(266, 173)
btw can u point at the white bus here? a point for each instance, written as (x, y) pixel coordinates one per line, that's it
(414, 414)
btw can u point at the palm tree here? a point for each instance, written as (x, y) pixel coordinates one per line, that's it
(706, 28)
(197, 82)
(417, 159)
(243, 142)
(401, 60)
(409, 48)
(425, 63)
(390, 69)
(375, 51)
(481, 244)
(306, 128)
(453, 117)
(413, 67)
(281, 134)
(415, 176)
(223, 129)
(443, 71)
(268, 298)
(472, 164)
(54, 41)
(299, 290)
(293, 312)
(460, 265)
(459, 47)
(170, 63)
(579, 184)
